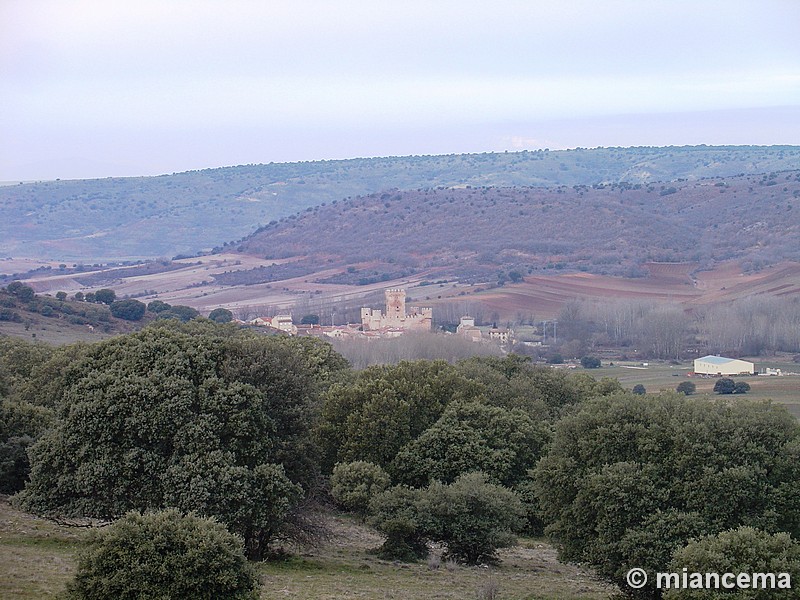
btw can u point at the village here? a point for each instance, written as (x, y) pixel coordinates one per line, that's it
(393, 321)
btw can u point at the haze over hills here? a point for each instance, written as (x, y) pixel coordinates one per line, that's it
(116, 219)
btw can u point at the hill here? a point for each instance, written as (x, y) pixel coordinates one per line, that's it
(117, 219)
(506, 251)
(58, 321)
(476, 234)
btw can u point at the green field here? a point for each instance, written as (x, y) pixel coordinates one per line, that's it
(38, 557)
(658, 376)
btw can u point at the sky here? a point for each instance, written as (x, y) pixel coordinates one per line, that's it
(98, 88)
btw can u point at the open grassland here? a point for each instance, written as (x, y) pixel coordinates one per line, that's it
(658, 376)
(38, 557)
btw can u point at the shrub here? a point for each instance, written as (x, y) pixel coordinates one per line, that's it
(221, 315)
(590, 362)
(163, 555)
(471, 517)
(742, 550)
(741, 387)
(726, 385)
(130, 310)
(24, 292)
(639, 389)
(10, 315)
(157, 306)
(395, 514)
(180, 312)
(686, 387)
(354, 484)
(105, 296)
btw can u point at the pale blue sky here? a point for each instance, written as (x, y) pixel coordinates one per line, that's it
(92, 88)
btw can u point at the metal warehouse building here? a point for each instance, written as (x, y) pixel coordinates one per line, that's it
(719, 365)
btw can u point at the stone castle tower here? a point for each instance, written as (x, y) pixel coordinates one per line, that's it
(395, 306)
(419, 319)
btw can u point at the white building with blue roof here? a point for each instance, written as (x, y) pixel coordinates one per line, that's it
(719, 365)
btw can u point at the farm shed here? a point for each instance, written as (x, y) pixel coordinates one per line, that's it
(719, 365)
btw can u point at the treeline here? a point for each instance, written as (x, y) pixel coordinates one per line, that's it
(19, 303)
(747, 327)
(256, 430)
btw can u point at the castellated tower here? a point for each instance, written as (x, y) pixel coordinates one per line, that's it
(395, 306)
(420, 319)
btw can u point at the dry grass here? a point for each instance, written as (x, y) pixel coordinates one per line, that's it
(37, 558)
(663, 376)
(345, 567)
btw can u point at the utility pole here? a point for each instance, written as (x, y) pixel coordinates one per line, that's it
(555, 335)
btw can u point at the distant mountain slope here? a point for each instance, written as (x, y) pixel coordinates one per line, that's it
(125, 218)
(483, 232)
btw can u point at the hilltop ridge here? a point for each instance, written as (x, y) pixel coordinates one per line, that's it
(114, 219)
(479, 233)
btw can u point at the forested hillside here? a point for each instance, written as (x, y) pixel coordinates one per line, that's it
(149, 217)
(478, 232)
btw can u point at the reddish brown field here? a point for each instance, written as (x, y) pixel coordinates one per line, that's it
(542, 295)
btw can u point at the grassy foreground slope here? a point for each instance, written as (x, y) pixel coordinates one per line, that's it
(37, 558)
(147, 217)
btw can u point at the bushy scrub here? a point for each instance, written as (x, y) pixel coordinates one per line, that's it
(354, 484)
(163, 555)
(630, 479)
(395, 514)
(743, 550)
(471, 517)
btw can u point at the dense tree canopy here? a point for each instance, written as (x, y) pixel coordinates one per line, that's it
(630, 479)
(513, 382)
(22, 419)
(471, 436)
(385, 407)
(200, 417)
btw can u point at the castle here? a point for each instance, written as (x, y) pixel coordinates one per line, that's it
(395, 317)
